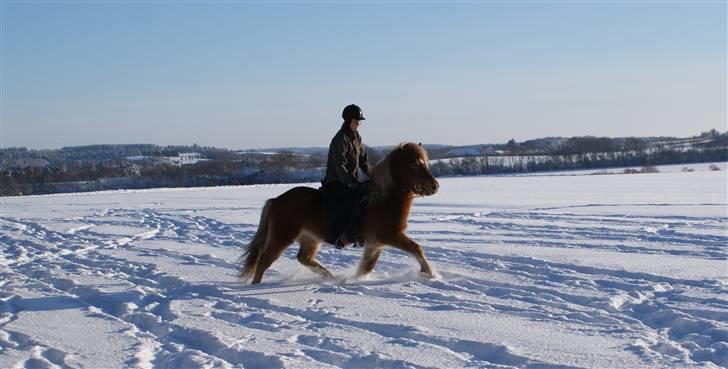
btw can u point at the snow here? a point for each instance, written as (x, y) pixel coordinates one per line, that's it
(555, 271)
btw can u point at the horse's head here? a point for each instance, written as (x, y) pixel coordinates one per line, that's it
(410, 169)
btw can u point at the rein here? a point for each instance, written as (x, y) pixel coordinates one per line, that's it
(372, 194)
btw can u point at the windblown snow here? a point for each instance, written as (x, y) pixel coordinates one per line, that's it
(581, 271)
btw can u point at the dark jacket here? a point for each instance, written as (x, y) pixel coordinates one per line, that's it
(346, 154)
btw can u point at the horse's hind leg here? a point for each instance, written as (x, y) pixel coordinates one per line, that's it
(274, 246)
(307, 256)
(369, 259)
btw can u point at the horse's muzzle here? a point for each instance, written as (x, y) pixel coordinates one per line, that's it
(428, 189)
(435, 186)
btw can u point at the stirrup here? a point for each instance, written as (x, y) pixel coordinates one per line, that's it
(339, 243)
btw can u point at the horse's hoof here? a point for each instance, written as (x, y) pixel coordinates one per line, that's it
(427, 275)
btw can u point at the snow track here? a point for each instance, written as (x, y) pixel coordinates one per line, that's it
(147, 279)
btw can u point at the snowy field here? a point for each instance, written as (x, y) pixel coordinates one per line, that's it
(579, 271)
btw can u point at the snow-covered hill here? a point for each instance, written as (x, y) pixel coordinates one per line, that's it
(580, 271)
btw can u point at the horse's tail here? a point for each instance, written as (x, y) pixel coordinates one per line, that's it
(250, 257)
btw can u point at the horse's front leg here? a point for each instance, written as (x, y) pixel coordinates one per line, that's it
(404, 243)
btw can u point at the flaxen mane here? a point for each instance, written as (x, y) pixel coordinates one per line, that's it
(381, 177)
(381, 174)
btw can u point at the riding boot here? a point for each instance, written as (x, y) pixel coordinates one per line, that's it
(339, 203)
(354, 225)
(342, 241)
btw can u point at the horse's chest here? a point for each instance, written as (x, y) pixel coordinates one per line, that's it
(398, 218)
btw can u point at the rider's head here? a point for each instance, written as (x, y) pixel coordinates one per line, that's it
(353, 115)
(352, 112)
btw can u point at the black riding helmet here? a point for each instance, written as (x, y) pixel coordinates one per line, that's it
(352, 112)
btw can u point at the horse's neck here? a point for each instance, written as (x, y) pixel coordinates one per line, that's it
(395, 200)
(401, 202)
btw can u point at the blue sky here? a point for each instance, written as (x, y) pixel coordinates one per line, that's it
(253, 74)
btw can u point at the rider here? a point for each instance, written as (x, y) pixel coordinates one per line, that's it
(347, 155)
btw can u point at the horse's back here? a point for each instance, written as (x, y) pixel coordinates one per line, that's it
(303, 194)
(302, 207)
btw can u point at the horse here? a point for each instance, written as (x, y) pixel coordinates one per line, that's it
(300, 214)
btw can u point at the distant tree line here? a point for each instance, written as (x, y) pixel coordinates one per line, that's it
(501, 164)
(106, 167)
(120, 174)
(21, 156)
(588, 152)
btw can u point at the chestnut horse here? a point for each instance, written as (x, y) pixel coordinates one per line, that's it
(301, 214)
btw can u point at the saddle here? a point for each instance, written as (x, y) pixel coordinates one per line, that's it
(346, 208)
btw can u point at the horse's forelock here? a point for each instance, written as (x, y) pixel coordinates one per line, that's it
(421, 151)
(382, 174)
(417, 151)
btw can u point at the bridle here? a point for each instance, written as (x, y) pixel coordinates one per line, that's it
(417, 190)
